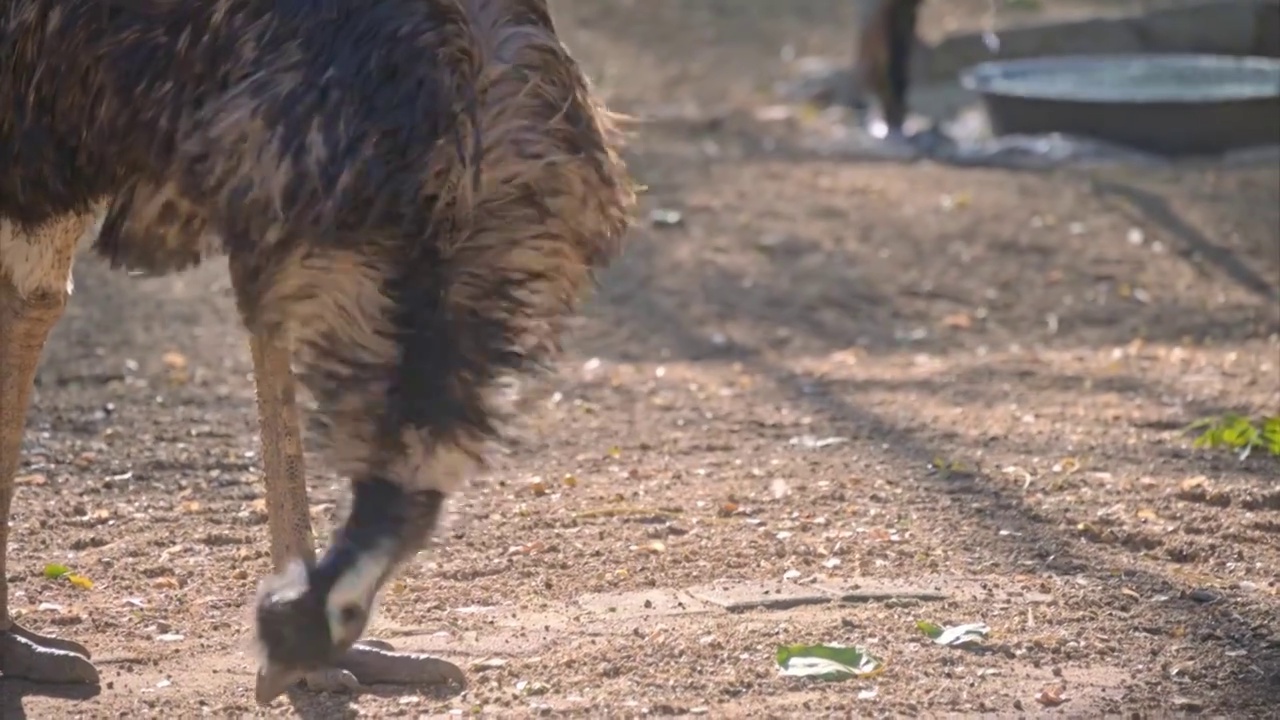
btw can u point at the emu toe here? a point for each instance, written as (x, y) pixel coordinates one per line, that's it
(377, 663)
(332, 680)
(25, 655)
(369, 662)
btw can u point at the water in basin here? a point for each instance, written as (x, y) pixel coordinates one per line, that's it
(1131, 79)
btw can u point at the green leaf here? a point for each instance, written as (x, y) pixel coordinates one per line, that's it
(827, 662)
(81, 582)
(931, 630)
(53, 571)
(1239, 433)
(1271, 435)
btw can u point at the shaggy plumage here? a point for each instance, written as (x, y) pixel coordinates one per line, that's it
(412, 195)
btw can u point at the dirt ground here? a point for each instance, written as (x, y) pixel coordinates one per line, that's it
(824, 401)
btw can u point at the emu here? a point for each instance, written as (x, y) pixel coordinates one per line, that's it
(411, 196)
(886, 33)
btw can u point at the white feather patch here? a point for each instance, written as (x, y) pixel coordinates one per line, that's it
(357, 586)
(40, 260)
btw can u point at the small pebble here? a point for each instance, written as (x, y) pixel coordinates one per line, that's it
(1201, 595)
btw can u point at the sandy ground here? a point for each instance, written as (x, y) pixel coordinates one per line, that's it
(817, 401)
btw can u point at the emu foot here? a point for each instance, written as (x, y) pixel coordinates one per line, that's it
(368, 662)
(24, 655)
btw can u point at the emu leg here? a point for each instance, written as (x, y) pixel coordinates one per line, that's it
(288, 514)
(24, 325)
(901, 35)
(886, 36)
(369, 662)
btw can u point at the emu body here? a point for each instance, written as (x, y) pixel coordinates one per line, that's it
(411, 196)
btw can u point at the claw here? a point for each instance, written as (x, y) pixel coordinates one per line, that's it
(51, 643)
(368, 662)
(377, 644)
(373, 665)
(333, 680)
(27, 656)
(273, 680)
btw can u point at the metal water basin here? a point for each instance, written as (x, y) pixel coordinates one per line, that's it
(1169, 104)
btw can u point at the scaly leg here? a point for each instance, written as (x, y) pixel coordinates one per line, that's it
(288, 517)
(24, 325)
(369, 662)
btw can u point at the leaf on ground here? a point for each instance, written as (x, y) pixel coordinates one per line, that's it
(174, 360)
(529, 548)
(1067, 465)
(728, 509)
(955, 636)
(827, 662)
(80, 581)
(947, 468)
(1192, 483)
(525, 687)
(1238, 433)
(493, 663)
(1051, 697)
(53, 571)
(931, 630)
(812, 442)
(1271, 434)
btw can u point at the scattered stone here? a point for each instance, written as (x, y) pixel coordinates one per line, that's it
(1202, 595)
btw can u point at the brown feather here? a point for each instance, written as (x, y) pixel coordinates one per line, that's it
(418, 191)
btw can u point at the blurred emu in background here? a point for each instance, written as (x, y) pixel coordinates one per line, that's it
(885, 33)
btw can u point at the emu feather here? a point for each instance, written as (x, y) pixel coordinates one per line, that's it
(411, 196)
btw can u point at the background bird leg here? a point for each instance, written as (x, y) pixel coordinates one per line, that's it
(901, 34)
(25, 323)
(886, 36)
